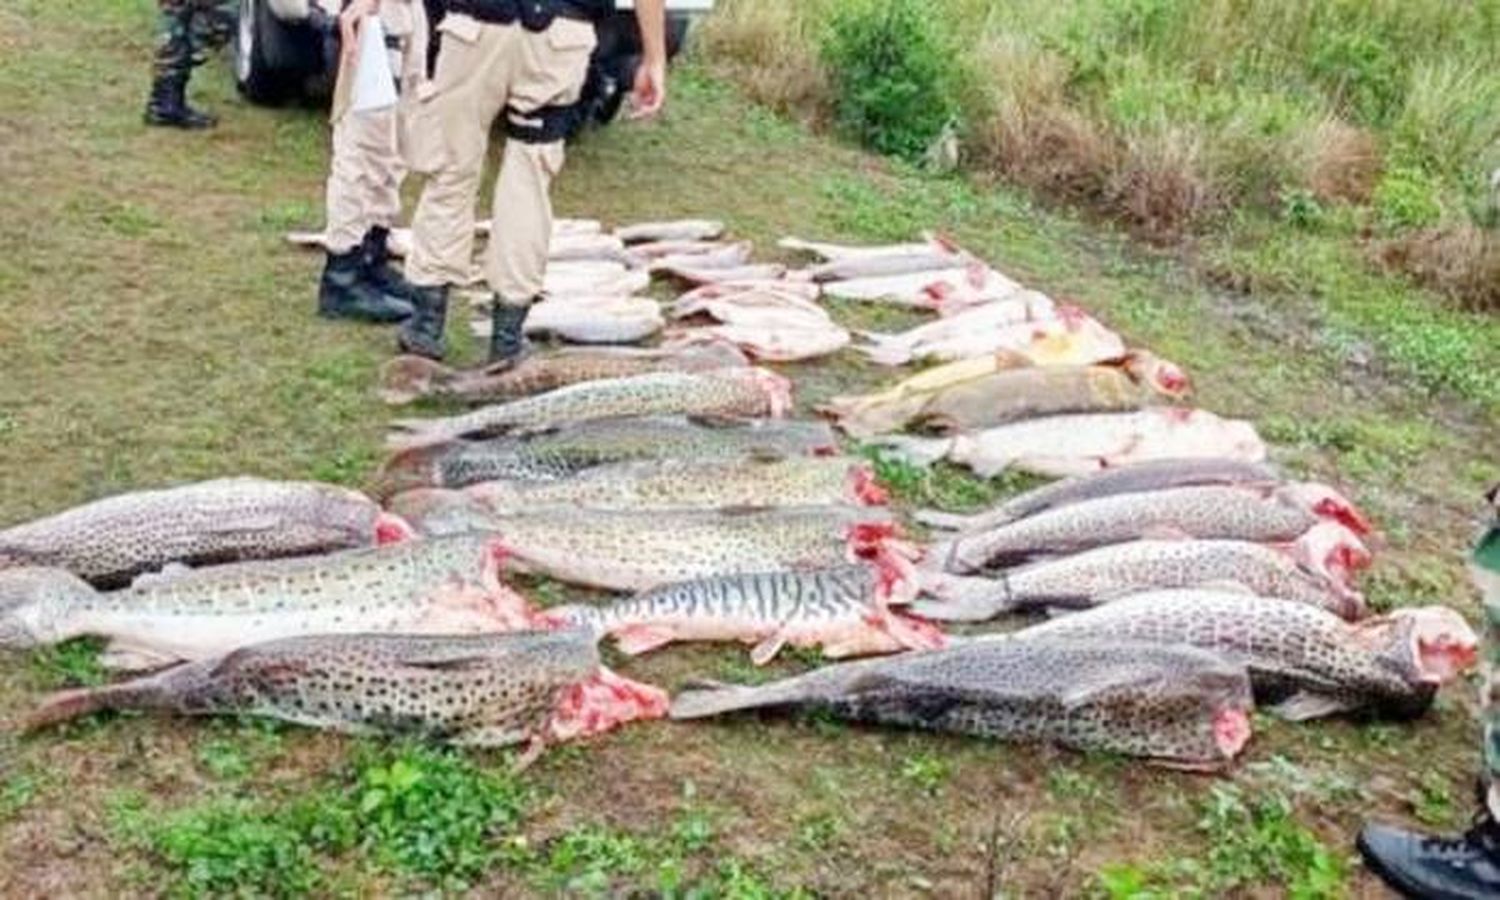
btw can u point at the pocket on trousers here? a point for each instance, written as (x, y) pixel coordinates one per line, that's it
(557, 62)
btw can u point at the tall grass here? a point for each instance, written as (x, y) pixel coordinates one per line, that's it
(1167, 113)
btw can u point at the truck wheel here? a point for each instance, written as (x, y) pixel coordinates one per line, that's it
(262, 50)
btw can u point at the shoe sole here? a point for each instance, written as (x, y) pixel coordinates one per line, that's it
(1394, 880)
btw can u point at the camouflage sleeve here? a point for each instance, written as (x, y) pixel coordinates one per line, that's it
(1485, 567)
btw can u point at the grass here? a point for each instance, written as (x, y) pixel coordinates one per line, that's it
(164, 333)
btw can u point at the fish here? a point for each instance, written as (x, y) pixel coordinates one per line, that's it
(831, 252)
(407, 378)
(448, 585)
(1070, 337)
(791, 342)
(1027, 306)
(963, 285)
(565, 451)
(746, 393)
(882, 265)
(1086, 443)
(623, 320)
(1282, 513)
(1141, 477)
(694, 484)
(722, 256)
(621, 550)
(593, 279)
(679, 230)
(865, 415)
(1313, 570)
(743, 303)
(1303, 662)
(585, 247)
(537, 687)
(1178, 706)
(110, 541)
(695, 274)
(651, 250)
(845, 610)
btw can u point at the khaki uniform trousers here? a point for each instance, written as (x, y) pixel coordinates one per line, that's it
(482, 69)
(370, 148)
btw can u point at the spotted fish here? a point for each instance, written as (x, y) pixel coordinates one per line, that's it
(110, 541)
(1179, 706)
(449, 585)
(1306, 661)
(845, 610)
(486, 690)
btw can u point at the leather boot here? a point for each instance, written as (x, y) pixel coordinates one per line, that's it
(508, 344)
(345, 293)
(1461, 867)
(422, 334)
(376, 258)
(167, 105)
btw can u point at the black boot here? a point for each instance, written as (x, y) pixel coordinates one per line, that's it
(167, 105)
(1464, 867)
(345, 293)
(423, 332)
(375, 255)
(508, 344)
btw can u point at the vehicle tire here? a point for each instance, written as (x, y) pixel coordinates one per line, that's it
(265, 55)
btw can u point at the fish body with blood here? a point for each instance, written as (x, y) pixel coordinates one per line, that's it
(1178, 706)
(108, 542)
(562, 452)
(732, 393)
(1298, 572)
(677, 230)
(790, 341)
(1082, 444)
(1304, 661)
(1139, 478)
(694, 484)
(746, 304)
(483, 691)
(406, 378)
(1283, 513)
(631, 551)
(1071, 337)
(440, 586)
(845, 610)
(964, 285)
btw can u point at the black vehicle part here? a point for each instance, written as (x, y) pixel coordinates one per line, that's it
(273, 59)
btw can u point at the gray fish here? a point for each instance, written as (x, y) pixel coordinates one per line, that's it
(1308, 662)
(845, 610)
(1133, 479)
(1244, 513)
(562, 452)
(442, 586)
(110, 541)
(1312, 571)
(484, 691)
(1175, 705)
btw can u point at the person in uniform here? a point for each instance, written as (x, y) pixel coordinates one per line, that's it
(525, 60)
(186, 31)
(1462, 866)
(363, 195)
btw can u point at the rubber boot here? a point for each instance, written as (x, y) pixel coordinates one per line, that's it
(422, 334)
(345, 293)
(508, 344)
(167, 105)
(1461, 867)
(375, 256)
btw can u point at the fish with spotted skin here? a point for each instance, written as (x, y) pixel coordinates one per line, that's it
(1134, 479)
(443, 586)
(1178, 706)
(482, 691)
(108, 542)
(563, 452)
(694, 484)
(845, 610)
(1282, 513)
(1303, 661)
(1314, 570)
(744, 393)
(632, 551)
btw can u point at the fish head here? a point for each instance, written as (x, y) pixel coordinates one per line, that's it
(34, 600)
(433, 512)
(410, 469)
(405, 378)
(1429, 645)
(865, 487)
(1166, 378)
(1326, 503)
(777, 389)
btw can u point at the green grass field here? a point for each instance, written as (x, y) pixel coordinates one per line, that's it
(157, 329)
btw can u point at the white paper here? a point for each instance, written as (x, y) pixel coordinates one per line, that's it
(374, 85)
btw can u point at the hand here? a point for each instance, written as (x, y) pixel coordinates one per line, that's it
(349, 21)
(650, 91)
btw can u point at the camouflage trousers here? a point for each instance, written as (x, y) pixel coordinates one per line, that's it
(187, 30)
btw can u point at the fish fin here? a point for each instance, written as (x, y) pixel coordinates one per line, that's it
(943, 521)
(633, 640)
(766, 650)
(1305, 705)
(123, 658)
(168, 573)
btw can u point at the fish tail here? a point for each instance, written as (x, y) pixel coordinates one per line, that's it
(959, 599)
(159, 690)
(711, 698)
(412, 434)
(885, 349)
(66, 705)
(943, 521)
